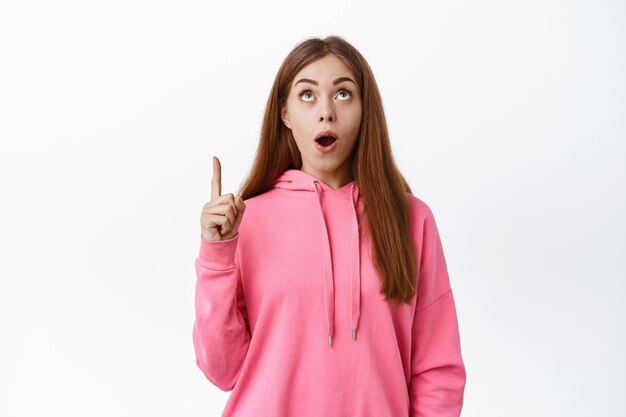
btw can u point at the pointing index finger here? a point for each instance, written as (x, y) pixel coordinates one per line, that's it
(216, 181)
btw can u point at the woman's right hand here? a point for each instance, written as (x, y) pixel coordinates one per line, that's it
(222, 215)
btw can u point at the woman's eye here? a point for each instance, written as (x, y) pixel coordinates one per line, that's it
(304, 92)
(346, 92)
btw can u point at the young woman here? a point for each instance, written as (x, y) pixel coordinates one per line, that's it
(330, 296)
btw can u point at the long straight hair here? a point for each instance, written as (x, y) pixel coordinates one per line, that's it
(383, 188)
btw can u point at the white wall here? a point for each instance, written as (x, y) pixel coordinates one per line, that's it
(506, 117)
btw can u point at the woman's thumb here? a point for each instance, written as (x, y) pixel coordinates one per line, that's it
(241, 206)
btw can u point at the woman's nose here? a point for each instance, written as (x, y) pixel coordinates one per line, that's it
(327, 111)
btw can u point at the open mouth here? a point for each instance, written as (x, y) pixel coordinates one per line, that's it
(325, 140)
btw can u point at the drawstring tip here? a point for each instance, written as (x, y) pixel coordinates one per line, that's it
(330, 340)
(354, 334)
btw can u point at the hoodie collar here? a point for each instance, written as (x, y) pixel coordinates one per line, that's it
(298, 180)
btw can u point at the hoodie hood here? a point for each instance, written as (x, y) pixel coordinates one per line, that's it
(300, 181)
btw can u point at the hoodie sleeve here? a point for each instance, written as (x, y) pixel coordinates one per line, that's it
(437, 370)
(220, 332)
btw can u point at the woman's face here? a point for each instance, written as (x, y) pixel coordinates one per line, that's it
(324, 96)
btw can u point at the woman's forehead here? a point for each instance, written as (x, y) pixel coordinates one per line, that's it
(329, 70)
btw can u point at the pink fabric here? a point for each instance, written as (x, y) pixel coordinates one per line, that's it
(276, 306)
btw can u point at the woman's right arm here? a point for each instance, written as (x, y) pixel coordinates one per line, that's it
(220, 333)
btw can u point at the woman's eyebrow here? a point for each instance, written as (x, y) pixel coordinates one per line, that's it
(337, 81)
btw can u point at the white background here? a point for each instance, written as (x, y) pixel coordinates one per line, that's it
(507, 118)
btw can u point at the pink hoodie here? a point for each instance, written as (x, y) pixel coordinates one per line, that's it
(289, 315)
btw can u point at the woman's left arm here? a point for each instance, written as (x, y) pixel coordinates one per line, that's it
(437, 370)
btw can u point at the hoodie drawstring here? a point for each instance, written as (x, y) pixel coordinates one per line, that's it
(355, 294)
(329, 280)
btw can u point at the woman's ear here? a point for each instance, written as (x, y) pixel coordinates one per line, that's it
(285, 116)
